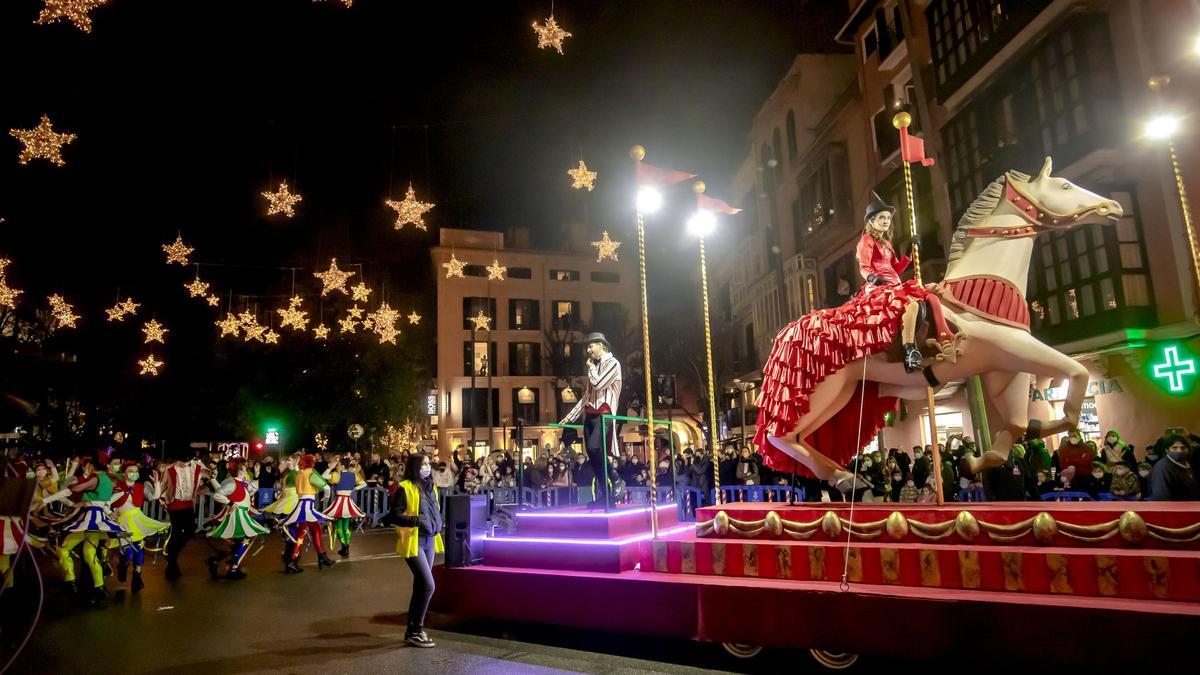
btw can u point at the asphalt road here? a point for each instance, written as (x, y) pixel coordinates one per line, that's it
(347, 619)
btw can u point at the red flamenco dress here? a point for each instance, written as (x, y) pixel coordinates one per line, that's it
(821, 343)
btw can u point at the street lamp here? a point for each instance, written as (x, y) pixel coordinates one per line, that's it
(700, 225)
(1165, 127)
(649, 200)
(1162, 127)
(1196, 46)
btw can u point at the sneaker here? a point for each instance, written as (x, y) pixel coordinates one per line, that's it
(419, 639)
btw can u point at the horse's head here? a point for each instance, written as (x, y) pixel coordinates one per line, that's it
(1055, 203)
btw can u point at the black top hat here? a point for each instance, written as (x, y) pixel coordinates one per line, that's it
(597, 337)
(877, 205)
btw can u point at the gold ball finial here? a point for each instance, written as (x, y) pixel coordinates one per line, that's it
(901, 120)
(638, 153)
(698, 187)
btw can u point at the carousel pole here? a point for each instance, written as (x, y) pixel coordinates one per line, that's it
(638, 153)
(701, 225)
(901, 121)
(1165, 127)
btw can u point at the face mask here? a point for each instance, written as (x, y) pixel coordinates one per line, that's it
(1098, 475)
(663, 465)
(1176, 455)
(866, 463)
(425, 471)
(895, 476)
(1144, 474)
(1121, 471)
(131, 477)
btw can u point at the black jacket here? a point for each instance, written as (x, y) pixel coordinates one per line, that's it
(428, 520)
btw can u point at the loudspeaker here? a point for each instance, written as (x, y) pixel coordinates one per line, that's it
(466, 521)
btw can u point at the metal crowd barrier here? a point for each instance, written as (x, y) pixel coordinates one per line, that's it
(759, 493)
(374, 502)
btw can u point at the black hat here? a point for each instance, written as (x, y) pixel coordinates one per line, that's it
(598, 337)
(877, 205)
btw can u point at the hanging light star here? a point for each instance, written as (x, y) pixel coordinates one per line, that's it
(355, 312)
(454, 268)
(248, 318)
(177, 252)
(368, 323)
(550, 35)
(42, 142)
(282, 201)
(197, 288)
(8, 295)
(348, 4)
(229, 325)
(333, 279)
(481, 321)
(414, 318)
(496, 270)
(292, 317)
(383, 322)
(75, 11)
(360, 293)
(154, 331)
(62, 311)
(254, 332)
(606, 249)
(347, 325)
(212, 300)
(387, 334)
(150, 366)
(320, 331)
(582, 177)
(410, 210)
(320, 440)
(271, 337)
(115, 313)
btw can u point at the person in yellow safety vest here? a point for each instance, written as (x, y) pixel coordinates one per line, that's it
(417, 519)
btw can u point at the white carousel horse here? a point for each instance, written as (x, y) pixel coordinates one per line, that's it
(992, 244)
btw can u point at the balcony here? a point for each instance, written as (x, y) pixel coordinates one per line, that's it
(965, 35)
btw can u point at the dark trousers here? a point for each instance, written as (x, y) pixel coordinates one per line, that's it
(421, 566)
(594, 444)
(183, 526)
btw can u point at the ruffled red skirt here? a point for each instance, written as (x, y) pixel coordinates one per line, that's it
(813, 347)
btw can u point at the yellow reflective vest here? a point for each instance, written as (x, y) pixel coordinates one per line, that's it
(406, 537)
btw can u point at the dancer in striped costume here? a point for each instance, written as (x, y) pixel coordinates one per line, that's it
(346, 478)
(90, 528)
(305, 519)
(236, 492)
(131, 497)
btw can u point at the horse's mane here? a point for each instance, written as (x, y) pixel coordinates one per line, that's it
(979, 211)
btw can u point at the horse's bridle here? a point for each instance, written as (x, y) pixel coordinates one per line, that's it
(1037, 217)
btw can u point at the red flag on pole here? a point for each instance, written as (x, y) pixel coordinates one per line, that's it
(716, 205)
(912, 148)
(652, 175)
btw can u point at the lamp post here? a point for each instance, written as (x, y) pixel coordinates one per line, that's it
(700, 226)
(648, 200)
(1165, 127)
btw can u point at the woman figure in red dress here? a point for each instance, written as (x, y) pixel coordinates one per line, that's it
(879, 266)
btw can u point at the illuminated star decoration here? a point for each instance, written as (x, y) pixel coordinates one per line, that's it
(582, 177)
(42, 142)
(75, 11)
(212, 300)
(606, 249)
(410, 210)
(197, 288)
(8, 296)
(355, 312)
(254, 331)
(360, 293)
(154, 331)
(348, 4)
(320, 331)
(149, 365)
(229, 325)
(333, 278)
(481, 321)
(414, 318)
(177, 252)
(496, 270)
(454, 268)
(550, 35)
(282, 201)
(119, 311)
(347, 325)
(271, 337)
(292, 317)
(383, 322)
(320, 440)
(62, 311)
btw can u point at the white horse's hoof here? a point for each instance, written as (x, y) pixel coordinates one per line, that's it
(851, 484)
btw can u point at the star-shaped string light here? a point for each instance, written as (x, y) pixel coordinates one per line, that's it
(320, 331)
(178, 251)
(348, 4)
(454, 268)
(368, 323)
(550, 34)
(496, 270)
(414, 318)
(155, 331)
(197, 288)
(347, 325)
(333, 279)
(62, 311)
(229, 325)
(292, 317)
(212, 300)
(271, 337)
(75, 11)
(582, 178)
(254, 331)
(481, 321)
(115, 313)
(129, 306)
(42, 142)
(8, 295)
(360, 293)
(410, 210)
(606, 249)
(150, 366)
(355, 312)
(282, 201)
(320, 440)
(383, 322)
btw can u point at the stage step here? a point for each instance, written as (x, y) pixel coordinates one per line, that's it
(1159, 574)
(577, 522)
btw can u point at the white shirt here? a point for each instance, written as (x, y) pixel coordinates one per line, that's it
(603, 388)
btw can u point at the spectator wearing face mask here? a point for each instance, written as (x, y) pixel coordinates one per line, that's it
(1143, 475)
(897, 484)
(1045, 484)
(928, 494)
(1125, 483)
(727, 469)
(1116, 451)
(903, 461)
(1172, 479)
(701, 471)
(908, 492)
(922, 465)
(747, 469)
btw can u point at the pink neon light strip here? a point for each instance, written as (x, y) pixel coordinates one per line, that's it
(613, 514)
(591, 542)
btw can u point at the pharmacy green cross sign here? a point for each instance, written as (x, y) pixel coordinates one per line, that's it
(1173, 368)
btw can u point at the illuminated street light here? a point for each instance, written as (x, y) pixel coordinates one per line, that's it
(649, 200)
(701, 224)
(1162, 127)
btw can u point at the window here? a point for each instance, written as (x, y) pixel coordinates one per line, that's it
(608, 317)
(750, 356)
(520, 273)
(527, 413)
(566, 315)
(791, 135)
(965, 34)
(473, 306)
(816, 199)
(777, 151)
(475, 407)
(564, 275)
(870, 43)
(606, 277)
(524, 358)
(964, 163)
(890, 30)
(475, 271)
(478, 358)
(524, 315)
(572, 355)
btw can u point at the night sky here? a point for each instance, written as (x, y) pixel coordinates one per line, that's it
(186, 110)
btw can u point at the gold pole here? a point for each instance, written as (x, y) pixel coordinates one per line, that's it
(1187, 216)
(901, 121)
(698, 188)
(638, 153)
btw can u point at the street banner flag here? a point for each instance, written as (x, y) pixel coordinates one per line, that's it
(652, 175)
(715, 205)
(912, 148)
